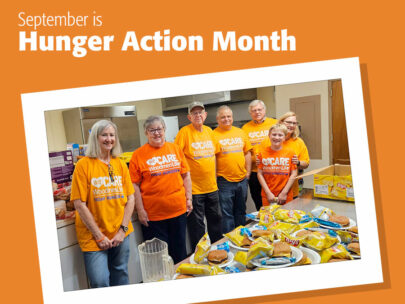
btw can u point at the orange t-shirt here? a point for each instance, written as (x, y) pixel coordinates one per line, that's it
(257, 133)
(276, 167)
(231, 160)
(158, 171)
(300, 149)
(199, 149)
(106, 200)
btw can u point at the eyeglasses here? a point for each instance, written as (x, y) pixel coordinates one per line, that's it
(197, 113)
(111, 172)
(158, 130)
(290, 123)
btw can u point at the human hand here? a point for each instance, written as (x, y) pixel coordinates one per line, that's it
(271, 198)
(282, 198)
(105, 243)
(143, 217)
(189, 206)
(118, 238)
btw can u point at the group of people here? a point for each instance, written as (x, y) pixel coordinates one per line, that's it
(202, 177)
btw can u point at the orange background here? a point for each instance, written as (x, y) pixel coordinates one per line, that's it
(323, 30)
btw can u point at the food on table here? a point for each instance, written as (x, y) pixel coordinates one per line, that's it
(198, 269)
(354, 247)
(319, 240)
(354, 229)
(303, 233)
(246, 242)
(340, 219)
(289, 216)
(305, 260)
(322, 212)
(259, 248)
(336, 252)
(216, 257)
(281, 249)
(202, 248)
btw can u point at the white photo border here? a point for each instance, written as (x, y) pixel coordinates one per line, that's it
(367, 270)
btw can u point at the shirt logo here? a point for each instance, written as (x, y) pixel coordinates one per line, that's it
(259, 134)
(161, 160)
(274, 161)
(202, 145)
(106, 181)
(231, 141)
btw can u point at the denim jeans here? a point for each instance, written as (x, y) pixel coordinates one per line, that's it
(173, 232)
(232, 198)
(255, 190)
(204, 205)
(108, 267)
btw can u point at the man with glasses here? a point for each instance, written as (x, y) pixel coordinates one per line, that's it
(199, 148)
(233, 169)
(257, 130)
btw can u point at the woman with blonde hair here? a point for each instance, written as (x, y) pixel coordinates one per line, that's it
(295, 143)
(103, 196)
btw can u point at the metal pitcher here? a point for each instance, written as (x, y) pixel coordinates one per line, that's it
(156, 264)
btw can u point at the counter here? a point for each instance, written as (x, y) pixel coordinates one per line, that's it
(73, 271)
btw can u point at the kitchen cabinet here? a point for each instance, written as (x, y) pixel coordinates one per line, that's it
(72, 262)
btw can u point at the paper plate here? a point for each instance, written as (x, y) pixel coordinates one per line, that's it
(253, 216)
(205, 261)
(312, 254)
(296, 253)
(352, 223)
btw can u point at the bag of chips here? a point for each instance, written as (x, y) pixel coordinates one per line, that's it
(336, 252)
(289, 216)
(202, 248)
(198, 269)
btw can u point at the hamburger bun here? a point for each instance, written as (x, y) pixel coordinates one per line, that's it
(246, 242)
(303, 233)
(281, 249)
(216, 257)
(354, 229)
(340, 219)
(184, 276)
(259, 233)
(305, 260)
(354, 247)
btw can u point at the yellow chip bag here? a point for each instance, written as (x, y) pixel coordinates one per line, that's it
(310, 224)
(266, 219)
(345, 236)
(198, 269)
(235, 237)
(260, 248)
(337, 252)
(241, 257)
(319, 240)
(290, 240)
(322, 212)
(289, 216)
(286, 227)
(269, 209)
(202, 248)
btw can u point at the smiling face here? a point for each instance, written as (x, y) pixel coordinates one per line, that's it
(257, 113)
(291, 124)
(106, 139)
(156, 134)
(225, 119)
(197, 116)
(277, 137)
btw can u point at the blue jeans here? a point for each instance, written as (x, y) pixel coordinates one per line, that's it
(232, 198)
(108, 267)
(173, 232)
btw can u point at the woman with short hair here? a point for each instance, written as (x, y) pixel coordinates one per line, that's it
(161, 178)
(104, 200)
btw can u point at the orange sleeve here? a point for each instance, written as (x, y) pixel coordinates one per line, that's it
(184, 165)
(128, 187)
(79, 183)
(134, 170)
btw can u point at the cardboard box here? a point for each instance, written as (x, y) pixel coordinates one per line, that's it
(333, 182)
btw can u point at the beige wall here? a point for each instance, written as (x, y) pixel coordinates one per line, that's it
(282, 96)
(266, 94)
(55, 129)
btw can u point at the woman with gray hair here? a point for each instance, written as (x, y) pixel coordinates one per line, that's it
(161, 178)
(104, 200)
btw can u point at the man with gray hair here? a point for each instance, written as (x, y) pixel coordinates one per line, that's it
(257, 130)
(199, 147)
(233, 169)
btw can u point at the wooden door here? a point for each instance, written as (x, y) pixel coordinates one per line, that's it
(340, 146)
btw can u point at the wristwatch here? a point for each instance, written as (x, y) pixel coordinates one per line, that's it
(124, 228)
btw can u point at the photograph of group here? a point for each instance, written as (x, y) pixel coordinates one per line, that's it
(216, 184)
